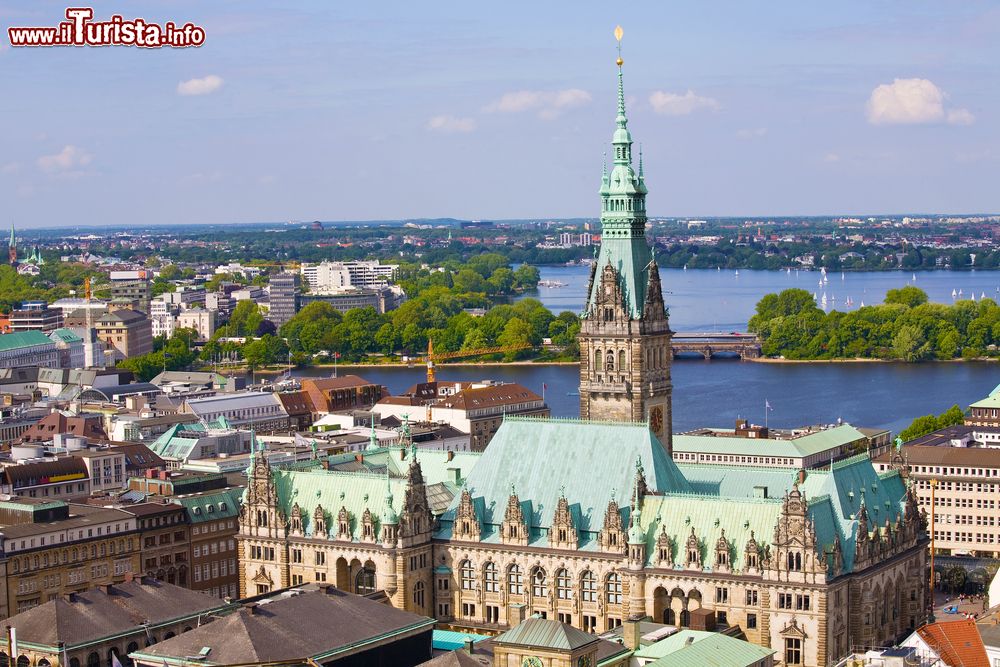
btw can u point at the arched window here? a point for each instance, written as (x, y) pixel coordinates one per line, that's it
(621, 360)
(610, 361)
(613, 588)
(4, 660)
(93, 659)
(539, 586)
(564, 589)
(131, 648)
(468, 575)
(598, 359)
(44, 663)
(74, 662)
(418, 594)
(364, 581)
(491, 578)
(794, 561)
(515, 580)
(588, 587)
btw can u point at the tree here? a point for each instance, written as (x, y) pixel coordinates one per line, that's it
(526, 277)
(908, 296)
(245, 319)
(929, 423)
(909, 344)
(516, 332)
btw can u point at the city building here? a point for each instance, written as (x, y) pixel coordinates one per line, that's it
(182, 443)
(965, 484)
(624, 336)
(260, 410)
(28, 348)
(348, 392)
(165, 552)
(51, 548)
(336, 276)
(64, 478)
(592, 523)
(317, 627)
(214, 519)
(124, 334)
(949, 643)
(759, 446)
(105, 468)
(162, 317)
(477, 409)
(284, 297)
(70, 346)
(382, 299)
(199, 319)
(799, 560)
(190, 383)
(100, 624)
(985, 412)
(87, 426)
(42, 319)
(131, 289)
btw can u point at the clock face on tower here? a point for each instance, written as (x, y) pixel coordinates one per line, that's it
(656, 418)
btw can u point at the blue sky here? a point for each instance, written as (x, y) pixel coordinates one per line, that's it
(373, 110)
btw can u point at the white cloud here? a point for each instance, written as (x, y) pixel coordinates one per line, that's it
(751, 133)
(548, 104)
(451, 124)
(960, 117)
(913, 102)
(202, 86)
(68, 159)
(673, 104)
(831, 157)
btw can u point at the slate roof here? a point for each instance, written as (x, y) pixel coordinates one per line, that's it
(313, 624)
(546, 633)
(957, 642)
(478, 398)
(95, 614)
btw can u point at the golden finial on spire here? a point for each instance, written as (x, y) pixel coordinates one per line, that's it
(618, 36)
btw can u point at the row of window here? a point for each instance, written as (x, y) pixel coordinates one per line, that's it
(29, 563)
(538, 582)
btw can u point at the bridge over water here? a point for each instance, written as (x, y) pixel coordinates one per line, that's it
(708, 344)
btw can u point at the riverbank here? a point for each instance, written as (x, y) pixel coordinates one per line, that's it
(399, 364)
(865, 360)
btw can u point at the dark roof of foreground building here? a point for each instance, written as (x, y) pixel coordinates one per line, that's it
(294, 625)
(79, 618)
(458, 659)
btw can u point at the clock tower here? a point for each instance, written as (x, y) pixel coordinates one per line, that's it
(624, 335)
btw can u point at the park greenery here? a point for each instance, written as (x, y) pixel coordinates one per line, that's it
(459, 306)
(905, 327)
(921, 426)
(171, 354)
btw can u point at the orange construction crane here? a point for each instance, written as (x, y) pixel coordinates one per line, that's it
(441, 356)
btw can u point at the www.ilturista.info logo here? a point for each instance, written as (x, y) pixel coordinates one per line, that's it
(81, 30)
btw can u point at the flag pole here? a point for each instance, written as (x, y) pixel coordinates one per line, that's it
(765, 413)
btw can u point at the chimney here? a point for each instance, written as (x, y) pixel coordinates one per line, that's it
(469, 643)
(630, 631)
(802, 475)
(107, 589)
(516, 614)
(251, 607)
(451, 455)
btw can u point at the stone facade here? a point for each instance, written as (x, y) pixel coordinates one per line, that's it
(624, 337)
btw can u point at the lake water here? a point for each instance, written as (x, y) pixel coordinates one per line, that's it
(706, 300)
(717, 392)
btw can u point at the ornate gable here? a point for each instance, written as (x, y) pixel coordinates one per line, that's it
(514, 528)
(562, 534)
(466, 525)
(612, 536)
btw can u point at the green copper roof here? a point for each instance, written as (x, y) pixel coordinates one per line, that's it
(623, 219)
(706, 649)
(178, 441)
(545, 633)
(806, 445)
(21, 339)
(356, 491)
(593, 460)
(212, 506)
(66, 335)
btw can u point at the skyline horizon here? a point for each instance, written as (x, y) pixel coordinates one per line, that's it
(348, 114)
